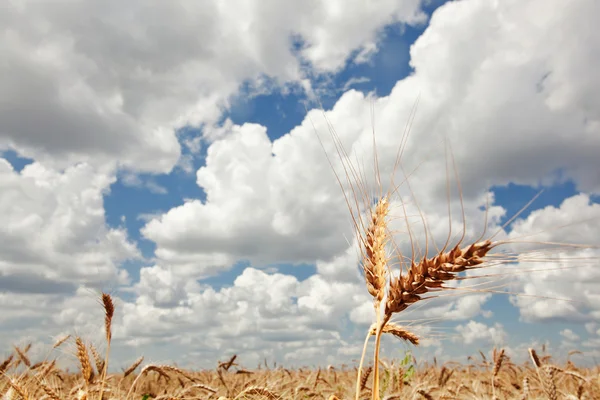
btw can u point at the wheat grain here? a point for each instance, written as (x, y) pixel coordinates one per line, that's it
(60, 341)
(98, 361)
(49, 367)
(18, 390)
(82, 355)
(109, 311)
(430, 273)
(49, 392)
(133, 367)
(260, 391)
(375, 258)
(227, 364)
(22, 356)
(204, 387)
(364, 378)
(6, 363)
(498, 359)
(397, 331)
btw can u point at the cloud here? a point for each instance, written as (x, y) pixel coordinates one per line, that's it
(508, 91)
(53, 231)
(465, 307)
(563, 284)
(134, 180)
(112, 84)
(355, 81)
(473, 332)
(258, 207)
(275, 314)
(569, 335)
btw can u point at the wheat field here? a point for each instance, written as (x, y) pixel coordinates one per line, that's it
(477, 378)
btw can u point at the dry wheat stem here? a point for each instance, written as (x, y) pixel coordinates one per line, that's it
(146, 369)
(359, 380)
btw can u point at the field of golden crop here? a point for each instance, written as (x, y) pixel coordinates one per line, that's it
(478, 378)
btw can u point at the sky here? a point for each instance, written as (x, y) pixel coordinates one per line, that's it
(175, 155)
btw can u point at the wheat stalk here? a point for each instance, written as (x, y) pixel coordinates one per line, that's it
(109, 311)
(49, 367)
(49, 392)
(161, 370)
(60, 341)
(260, 391)
(22, 356)
(17, 389)
(546, 374)
(498, 359)
(98, 361)
(133, 367)
(5, 364)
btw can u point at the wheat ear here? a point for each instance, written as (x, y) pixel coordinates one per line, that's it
(84, 359)
(17, 388)
(546, 375)
(259, 391)
(133, 367)
(421, 278)
(375, 261)
(109, 312)
(430, 273)
(23, 356)
(60, 341)
(498, 359)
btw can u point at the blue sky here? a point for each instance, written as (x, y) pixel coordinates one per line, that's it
(190, 176)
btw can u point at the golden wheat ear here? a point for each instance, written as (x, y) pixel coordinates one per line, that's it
(546, 375)
(87, 372)
(132, 367)
(102, 364)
